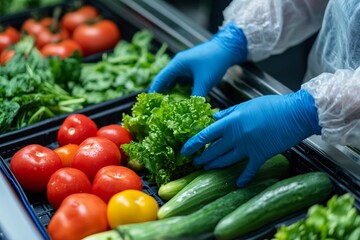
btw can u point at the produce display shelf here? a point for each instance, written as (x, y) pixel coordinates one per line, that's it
(129, 24)
(41, 211)
(37, 205)
(240, 83)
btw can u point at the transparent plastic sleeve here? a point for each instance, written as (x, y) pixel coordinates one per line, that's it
(337, 100)
(272, 26)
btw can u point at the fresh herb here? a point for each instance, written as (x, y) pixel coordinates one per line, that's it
(130, 68)
(339, 219)
(29, 92)
(161, 124)
(15, 6)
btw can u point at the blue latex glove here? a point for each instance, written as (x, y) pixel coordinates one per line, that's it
(257, 129)
(206, 63)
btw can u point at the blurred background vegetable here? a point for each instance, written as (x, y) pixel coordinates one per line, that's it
(28, 89)
(130, 68)
(11, 7)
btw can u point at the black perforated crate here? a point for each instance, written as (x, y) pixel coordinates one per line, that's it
(41, 211)
(37, 204)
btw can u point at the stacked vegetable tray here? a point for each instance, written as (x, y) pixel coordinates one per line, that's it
(41, 211)
(106, 109)
(38, 85)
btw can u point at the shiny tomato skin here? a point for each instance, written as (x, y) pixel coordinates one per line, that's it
(46, 36)
(75, 129)
(61, 49)
(79, 215)
(33, 26)
(64, 182)
(95, 153)
(110, 180)
(119, 135)
(8, 37)
(72, 19)
(6, 55)
(33, 166)
(97, 37)
(66, 153)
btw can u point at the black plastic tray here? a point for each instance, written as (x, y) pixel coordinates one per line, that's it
(41, 211)
(36, 204)
(127, 27)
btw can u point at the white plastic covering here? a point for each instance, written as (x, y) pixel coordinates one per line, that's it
(333, 74)
(272, 26)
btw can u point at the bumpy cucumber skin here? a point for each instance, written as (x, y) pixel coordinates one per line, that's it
(279, 200)
(216, 183)
(198, 224)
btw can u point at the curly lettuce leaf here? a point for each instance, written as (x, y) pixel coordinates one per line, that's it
(161, 124)
(339, 219)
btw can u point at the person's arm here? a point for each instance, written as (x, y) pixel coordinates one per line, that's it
(272, 26)
(337, 100)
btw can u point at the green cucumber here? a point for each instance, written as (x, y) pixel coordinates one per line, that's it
(170, 189)
(199, 224)
(277, 201)
(216, 183)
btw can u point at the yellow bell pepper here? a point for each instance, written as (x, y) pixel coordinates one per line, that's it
(131, 206)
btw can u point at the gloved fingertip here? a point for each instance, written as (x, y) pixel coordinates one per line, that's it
(151, 90)
(242, 182)
(198, 91)
(207, 167)
(196, 162)
(220, 114)
(186, 150)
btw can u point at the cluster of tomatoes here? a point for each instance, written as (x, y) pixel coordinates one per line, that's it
(82, 30)
(85, 179)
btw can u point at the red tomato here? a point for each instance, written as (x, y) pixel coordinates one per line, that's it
(113, 179)
(33, 166)
(75, 129)
(97, 37)
(8, 36)
(73, 19)
(46, 36)
(61, 49)
(95, 153)
(6, 55)
(119, 135)
(33, 26)
(64, 182)
(66, 153)
(79, 215)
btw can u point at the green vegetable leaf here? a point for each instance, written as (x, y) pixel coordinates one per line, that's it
(130, 68)
(161, 124)
(339, 219)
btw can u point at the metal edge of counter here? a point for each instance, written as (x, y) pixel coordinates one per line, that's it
(15, 214)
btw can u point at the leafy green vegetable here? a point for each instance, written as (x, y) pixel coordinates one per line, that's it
(29, 91)
(130, 68)
(161, 124)
(33, 88)
(66, 72)
(15, 6)
(338, 220)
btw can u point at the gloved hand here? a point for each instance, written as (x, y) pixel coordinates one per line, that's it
(257, 129)
(206, 63)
